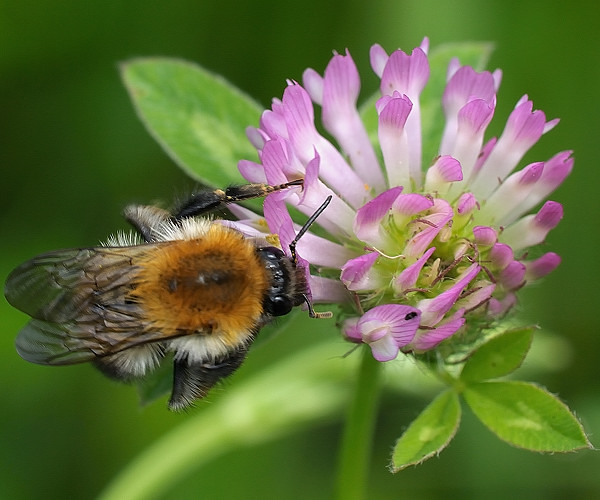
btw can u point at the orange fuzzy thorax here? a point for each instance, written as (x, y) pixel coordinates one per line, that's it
(213, 285)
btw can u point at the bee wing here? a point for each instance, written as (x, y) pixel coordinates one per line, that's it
(78, 301)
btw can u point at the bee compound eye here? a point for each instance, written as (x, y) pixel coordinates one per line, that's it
(278, 305)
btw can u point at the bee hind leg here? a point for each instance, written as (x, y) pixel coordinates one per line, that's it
(193, 381)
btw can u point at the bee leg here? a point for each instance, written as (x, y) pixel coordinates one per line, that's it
(145, 219)
(205, 201)
(193, 381)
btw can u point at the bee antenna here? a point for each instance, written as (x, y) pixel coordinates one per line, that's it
(306, 226)
(311, 312)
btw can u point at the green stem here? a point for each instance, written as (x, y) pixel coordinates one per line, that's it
(357, 440)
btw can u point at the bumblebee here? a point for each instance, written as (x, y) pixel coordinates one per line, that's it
(183, 284)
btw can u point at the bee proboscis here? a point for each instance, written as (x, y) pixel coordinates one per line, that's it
(184, 284)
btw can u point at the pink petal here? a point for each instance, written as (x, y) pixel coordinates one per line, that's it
(313, 83)
(477, 298)
(341, 86)
(500, 256)
(393, 113)
(328, 290)
(533, 229)
(445, 170)
(357, 275)
(512, 276)
(428, 339)
(484, 236)
(384, 349)
(299, 119)
(497, 308)
(509, 199)
(367, 224)
(389, 323)
(407, 205)
(523, 130)
(251, 171)
(466, 204)
(541, 266)
(433, 310)
(409, 276)
(379, 59)
(432, 224)
(408, 75)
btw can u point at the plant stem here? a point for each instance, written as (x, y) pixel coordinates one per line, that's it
(357, 440)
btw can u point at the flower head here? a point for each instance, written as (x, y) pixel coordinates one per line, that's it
(416, 248)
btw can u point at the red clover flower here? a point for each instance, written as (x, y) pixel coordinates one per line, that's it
(421, 253)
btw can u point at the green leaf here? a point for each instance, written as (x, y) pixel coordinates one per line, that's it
(499, 356)
(527, 416)
(429, 433)
(198, 118)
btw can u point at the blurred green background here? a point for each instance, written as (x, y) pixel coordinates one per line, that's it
(73, 154)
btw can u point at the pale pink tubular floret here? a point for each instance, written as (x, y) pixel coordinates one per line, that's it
(532, 230)
(426, 339)
(500, 256)
(385, 328)
(358, 273)
(367, 224)
(511, 194)
(298, 114)
(339, 93)
(466, 204)
(472, 97)
(473, 120)
(433, 310)
(429, 227)
(442, 173)
(393, 112)
(409, 276)
(512, 276)
(523, 130)
(339, 217)
(318, 251)
(484, 236)
(499, 307)
(556, 170)
(540, 267)
(407, 75)
(482, 292)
